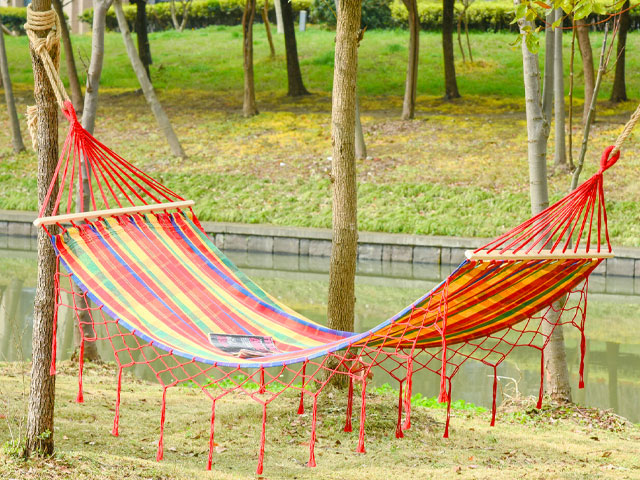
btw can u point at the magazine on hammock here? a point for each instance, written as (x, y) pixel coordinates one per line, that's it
(243, 346)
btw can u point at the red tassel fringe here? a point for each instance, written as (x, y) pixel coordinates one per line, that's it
(116, 418)
(263, 439)
(363, 415)
(347, 424)
(312, 442)
(80, 397)
(160, 454)
(211, 442)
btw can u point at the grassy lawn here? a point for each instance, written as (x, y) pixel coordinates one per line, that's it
(458, 169)
(555, 442)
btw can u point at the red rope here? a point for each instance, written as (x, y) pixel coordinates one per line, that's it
(301, 405)
(312, 441)
(80, 397)
(347, 424)
(262, 388)
(115, 431)
(407, 396)
(541, 390)
(211, 431)
(363, 414)
(263, 439)
(160, 454)
(399, 433)
(495, 393)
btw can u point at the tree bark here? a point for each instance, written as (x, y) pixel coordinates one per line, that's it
(279, 22)
(72, 71)
(360, 145)
(186, 6)
(587, 65)
(145, 84)
(560, 156)
(450, 83)
(42, 391)
(549, 51)
(144, 48)
(340, 308)
(619, 91)
(16, 136)
(411, 82)
(249, 102)
(294, 76)
(557, 374)
(267, 27)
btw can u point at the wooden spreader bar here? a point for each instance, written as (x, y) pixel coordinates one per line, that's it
(72, 217)
(542, 255)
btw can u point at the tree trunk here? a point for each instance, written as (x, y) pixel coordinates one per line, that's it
(147, 88)
(340, 308)
(464, 60)
(450, 83)
(560, 157)
(557, 374)
(144, 48)
(16, 136)
(249, 102)
(294, 76)
(619, 91)
(411, 82)
(587, 65)
(42, 391)
(279, 22)
(72, 72)
(267, 27)
(94, 73)
(547, 85)
(360, 145)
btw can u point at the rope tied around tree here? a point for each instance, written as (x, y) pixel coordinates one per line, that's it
(44, 47)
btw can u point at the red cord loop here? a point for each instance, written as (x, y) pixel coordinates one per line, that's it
(70, 113)
(606, 161)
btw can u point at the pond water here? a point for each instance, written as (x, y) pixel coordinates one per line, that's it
(612, 365)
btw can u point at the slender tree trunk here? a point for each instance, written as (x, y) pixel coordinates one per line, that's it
(619, 91)
(16, 136)
(145, 84)
(549, 51)
(411, 82)
(557, 374)
(360, 145)
(42, 390)
(249, 107)
(144, 48)
(466, 32)
(450, 83)
(279, 22)
(464, 60)
(294, 76)
(186, 6)
(72, 72)
(560, 157)
(267, 27)
(587, 65)
(340, 308)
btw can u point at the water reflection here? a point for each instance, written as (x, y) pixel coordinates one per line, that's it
(612, 358)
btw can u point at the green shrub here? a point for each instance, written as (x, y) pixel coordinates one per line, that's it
(375, 13)
(13, 18)
(201, 14)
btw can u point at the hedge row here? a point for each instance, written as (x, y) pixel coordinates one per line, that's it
(13, 18)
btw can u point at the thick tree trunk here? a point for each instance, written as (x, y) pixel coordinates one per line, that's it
(560, 156)
(267, 27)
(619, 91)
(587, 65)
(42, 391)
(549, 51)
(294, 76)
(360, 145)
(249, 107)
(72, 71)
(411, 82)
(450, 83)
(340, 308)
(16, 136)
(145, 84)
(144, 48)
(556, 371)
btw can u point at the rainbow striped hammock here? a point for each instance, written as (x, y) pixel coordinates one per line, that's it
(140, 272)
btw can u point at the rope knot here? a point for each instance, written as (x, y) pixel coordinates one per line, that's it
(608, 160)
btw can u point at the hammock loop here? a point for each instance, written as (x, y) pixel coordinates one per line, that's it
(609, 157)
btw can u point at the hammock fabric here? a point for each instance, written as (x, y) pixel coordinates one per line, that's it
(153, 285)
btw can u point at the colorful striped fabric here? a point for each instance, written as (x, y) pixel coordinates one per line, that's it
(162, 277)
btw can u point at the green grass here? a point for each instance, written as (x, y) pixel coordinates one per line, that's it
(555, 442)
(458, 169)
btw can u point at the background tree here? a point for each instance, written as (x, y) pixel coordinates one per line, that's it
(16, 136)
(294, 76)
(463, 16)
(341, 302)
(411, 83)
(450, 82)
(249, 102)
(72, 72)
(547, 85)
(145, 84)
(619, 91)
(42, 390)
(560, 154)
(267, 27)
(360, 145)
(186, 6)
(144, 47)
(556, 372)
(584, 43)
